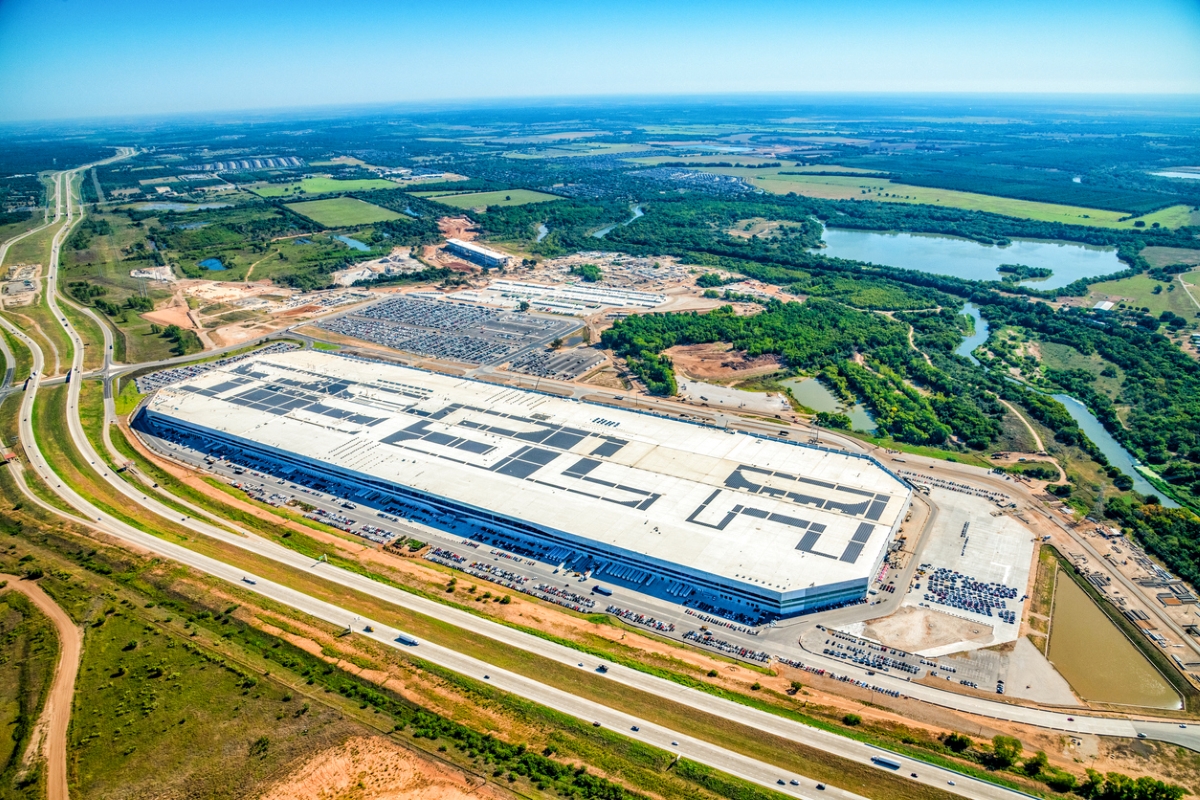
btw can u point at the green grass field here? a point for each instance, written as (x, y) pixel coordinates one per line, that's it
(321, 185)
(1062, 356)
(343, 212)
(26, 669)
(840, 187)
(507, 197)
(1138, 291)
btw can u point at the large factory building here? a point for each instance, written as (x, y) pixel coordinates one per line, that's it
(737, 520)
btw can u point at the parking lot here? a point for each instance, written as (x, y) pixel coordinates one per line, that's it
(156, 380)
(564, 366)
(447, 330)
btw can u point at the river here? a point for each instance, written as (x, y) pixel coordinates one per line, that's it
(963, 258)
(637, 212)
(1116, 454)
(975, 339)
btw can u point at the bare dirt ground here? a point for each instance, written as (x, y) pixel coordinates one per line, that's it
(915, 629)
(608, 377)
(374, 769)
(239, 332)
(174, 313)
(458, 228)
(690, 302)
(50, 734)
(720, 361)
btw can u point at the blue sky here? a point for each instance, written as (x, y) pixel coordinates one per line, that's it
(89, 58)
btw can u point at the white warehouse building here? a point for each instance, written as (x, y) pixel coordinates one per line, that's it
(741, 521)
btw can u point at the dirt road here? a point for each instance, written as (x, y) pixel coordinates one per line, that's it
(50, 735)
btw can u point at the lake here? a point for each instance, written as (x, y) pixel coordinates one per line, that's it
(180, 206)
(1096, 658)
(212, 264)
(543, 231)
(352, 243)
(813, 394)
(963, 258)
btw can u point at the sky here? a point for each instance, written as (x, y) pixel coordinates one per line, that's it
(64, 59)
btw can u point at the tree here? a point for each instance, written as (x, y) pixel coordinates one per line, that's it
(1036, 764)
(1005, 750)
(957, 742)
(524, 306)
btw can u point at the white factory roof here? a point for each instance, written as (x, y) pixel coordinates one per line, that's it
(762, 512)
(475, 248)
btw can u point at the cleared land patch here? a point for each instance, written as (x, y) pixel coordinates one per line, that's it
(321, 185)
(720, 361)
(340, 212)
(760, 227)
(507, 197)
(374, 769)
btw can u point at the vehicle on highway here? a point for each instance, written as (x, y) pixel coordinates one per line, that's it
(635, 728)
(821, 786)
(596, 724)
(795, 782)
(404, 638)
(885, 762)
(250, 581)
(602, 590)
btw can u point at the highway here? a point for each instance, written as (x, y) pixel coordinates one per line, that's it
(705, 753)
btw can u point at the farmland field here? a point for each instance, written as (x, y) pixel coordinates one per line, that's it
(1162, 256)
(840, 187)
(507, 197)
(321, 185)
(339, 212)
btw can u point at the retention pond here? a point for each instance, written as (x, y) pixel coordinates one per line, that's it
(811, 393)
(1096, 658)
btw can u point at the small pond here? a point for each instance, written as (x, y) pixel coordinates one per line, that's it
(212, 264)
(354, 244)
(813, 394)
